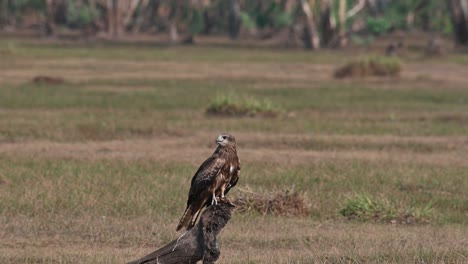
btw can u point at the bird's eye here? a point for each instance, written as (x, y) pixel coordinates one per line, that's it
(224, 137)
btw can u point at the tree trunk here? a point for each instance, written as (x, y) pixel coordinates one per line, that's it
(198, 243)
(311, 38)
(173, 17)
(50, 23)
(173, 32)
(459, 11)
(234, 19)
(357, 7)
(114, 25)
(290, 7)
(342, 23)
(118, 25)
(140, 16)
(110, 18)
(130, 12)
(327, 24)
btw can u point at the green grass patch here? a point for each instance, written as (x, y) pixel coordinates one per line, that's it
(237, 106)
(362, 207)
(196, 94)
(46, 187)
(134, 108)
(11, 48)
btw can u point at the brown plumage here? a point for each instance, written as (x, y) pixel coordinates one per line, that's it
(215, 177)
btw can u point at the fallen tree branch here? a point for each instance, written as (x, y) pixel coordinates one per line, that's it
(198, 243)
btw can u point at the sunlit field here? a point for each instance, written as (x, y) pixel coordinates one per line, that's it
(96, 168)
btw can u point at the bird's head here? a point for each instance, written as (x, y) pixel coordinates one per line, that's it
(225, 139)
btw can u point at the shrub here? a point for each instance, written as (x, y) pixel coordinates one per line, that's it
(230, 105)
(364, 208)
(370, 66)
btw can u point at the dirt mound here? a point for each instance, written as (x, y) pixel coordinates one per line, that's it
(235, 111)
(279, 202)
(42, 79)
(371, 66)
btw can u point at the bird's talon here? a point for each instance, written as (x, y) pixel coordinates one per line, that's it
(214, 201)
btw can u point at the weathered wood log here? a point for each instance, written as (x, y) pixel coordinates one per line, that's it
(198, 243)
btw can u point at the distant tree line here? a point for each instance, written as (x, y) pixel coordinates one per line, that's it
(309, 23)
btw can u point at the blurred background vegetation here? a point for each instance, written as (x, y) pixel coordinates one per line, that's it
(311, 24)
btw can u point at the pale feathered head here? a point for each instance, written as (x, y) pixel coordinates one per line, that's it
(226, 139)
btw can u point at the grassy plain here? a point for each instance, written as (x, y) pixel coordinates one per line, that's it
(97, 169)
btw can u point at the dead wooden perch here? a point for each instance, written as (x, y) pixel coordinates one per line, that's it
(199, 243)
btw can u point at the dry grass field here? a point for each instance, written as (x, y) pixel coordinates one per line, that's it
(96, 169)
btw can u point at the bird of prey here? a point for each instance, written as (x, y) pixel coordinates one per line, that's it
(215, 177)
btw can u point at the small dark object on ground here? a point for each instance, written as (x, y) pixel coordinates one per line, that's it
(199, 243)
(42, 79)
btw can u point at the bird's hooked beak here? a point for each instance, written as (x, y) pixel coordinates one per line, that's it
(219, 139)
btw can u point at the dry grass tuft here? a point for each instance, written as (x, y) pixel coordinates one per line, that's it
(288, 202)
(370, 66)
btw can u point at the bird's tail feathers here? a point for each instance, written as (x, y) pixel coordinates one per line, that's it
(194, 218)
(185, 219)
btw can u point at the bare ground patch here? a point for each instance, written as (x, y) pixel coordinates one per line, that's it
(446, 72)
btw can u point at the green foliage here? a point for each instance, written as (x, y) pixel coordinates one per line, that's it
(264, 14)
(247, 21)
(79, 16)
(232, 105)
(282, 19)
(427, 15)
(33, 4)
(197, 23)
(377, 26)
